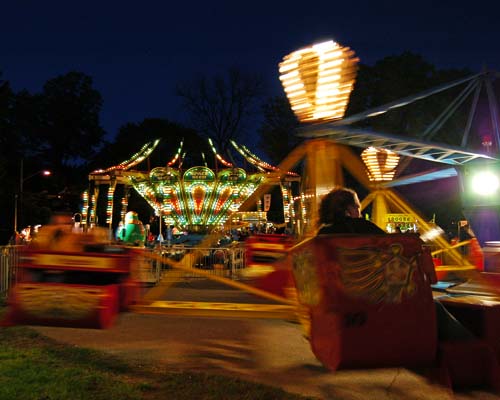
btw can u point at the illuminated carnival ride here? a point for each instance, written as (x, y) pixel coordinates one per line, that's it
(363, 301)
(198, 199)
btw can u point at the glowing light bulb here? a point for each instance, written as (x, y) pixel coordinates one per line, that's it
(318, 80)
(380, 163)
(485, 183)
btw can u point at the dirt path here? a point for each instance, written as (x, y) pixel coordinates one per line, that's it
(273, 352)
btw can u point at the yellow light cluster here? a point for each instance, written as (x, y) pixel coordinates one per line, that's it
(137, 158)
(124, 204)
(381, 163)
(255, 160)
(92, 210)
(217, 155)
(85, 207)
(177, 155)
(318, 80)
(109, 208)
(286, 203)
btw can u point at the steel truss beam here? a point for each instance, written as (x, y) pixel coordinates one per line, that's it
(441, 153)
(342, 131)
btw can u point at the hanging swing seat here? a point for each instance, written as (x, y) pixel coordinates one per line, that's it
(371, 305)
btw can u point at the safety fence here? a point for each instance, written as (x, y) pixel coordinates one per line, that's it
(219, 261)
(8, 262)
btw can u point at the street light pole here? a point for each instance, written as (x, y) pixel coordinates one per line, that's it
(21, 181)
(15, 213)
(18, 197)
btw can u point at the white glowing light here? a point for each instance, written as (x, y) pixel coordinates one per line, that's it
(485, 183)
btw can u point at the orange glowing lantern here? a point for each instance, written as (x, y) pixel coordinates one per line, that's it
(380, 163)
(318, 81)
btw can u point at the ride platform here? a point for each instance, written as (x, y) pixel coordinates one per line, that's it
(217, 309)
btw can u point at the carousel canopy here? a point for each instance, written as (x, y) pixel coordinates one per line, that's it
(197, 196)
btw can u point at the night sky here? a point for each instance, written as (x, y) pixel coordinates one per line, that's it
(136, 51)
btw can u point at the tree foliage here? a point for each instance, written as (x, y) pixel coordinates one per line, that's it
(132, 136)
(277, 134)
(69, 109)
(396, 77)
(221, 107)
(57, 129)
(8, 140)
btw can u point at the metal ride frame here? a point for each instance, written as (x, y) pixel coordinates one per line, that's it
(325, 152)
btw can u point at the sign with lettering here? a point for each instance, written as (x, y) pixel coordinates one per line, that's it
(400, 218)
(202, 174)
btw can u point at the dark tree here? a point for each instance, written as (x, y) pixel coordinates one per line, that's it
(70, 130)
(9, 142)
(57, 129)
(27, 126)
(8, 151)
(277, 134)
(222, 107)
(131, 137)
(396, 77)
(19, 161)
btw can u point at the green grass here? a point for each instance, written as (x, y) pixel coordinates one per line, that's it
(34, 367)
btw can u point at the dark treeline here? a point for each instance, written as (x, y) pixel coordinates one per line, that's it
(59, 129)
